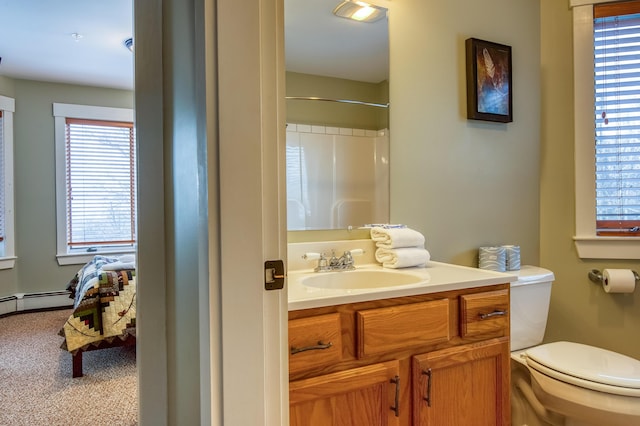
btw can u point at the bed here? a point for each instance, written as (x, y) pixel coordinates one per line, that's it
(104, 308)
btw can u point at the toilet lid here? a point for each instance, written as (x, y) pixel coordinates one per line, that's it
(587, 366)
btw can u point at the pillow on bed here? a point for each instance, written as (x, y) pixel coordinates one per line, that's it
(87, 272)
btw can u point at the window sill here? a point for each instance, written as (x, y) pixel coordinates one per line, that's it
(84, 257)
(7, 262)
(607, 247)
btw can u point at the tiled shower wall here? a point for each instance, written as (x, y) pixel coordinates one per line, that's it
(336, 177)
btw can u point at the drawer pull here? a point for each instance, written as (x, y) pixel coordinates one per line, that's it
(319, 346)
(493, 314)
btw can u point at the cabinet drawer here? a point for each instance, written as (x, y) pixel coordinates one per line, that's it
(314, 341)
(484, 313)
(399, 327)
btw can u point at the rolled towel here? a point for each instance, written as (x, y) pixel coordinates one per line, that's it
(404, 257)
(396, 237)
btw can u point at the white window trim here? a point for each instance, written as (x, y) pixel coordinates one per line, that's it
(588, 244)
(8, 106)
(61, 112)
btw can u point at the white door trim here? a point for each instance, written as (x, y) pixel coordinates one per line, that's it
(253, 223)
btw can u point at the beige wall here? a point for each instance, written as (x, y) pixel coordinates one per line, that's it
(336, 114)
(36, 268)
(580, 310)
(6, 86)
(463, 183)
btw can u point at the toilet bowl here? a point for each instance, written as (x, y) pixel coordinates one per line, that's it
(564, 383)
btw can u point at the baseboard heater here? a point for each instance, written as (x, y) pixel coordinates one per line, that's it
(20, 302)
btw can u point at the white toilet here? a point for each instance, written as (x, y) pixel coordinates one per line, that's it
(564, 383)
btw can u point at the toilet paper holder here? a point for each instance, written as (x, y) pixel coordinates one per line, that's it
(596, 276)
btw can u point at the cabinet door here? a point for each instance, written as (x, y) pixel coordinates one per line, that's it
(362, 396)
(463, 386)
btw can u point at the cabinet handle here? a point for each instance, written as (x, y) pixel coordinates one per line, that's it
(396, 407)
(319, 346)
(493, 314)
(428, 397)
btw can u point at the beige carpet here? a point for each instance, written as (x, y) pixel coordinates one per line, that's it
(36, 387)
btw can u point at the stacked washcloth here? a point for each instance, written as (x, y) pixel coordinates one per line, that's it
(400, 247)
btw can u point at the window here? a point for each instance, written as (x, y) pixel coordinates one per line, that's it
(616, 33)
(607, 128)
(96, 203)
(7, 251)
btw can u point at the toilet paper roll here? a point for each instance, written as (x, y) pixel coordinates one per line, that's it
(618, 281)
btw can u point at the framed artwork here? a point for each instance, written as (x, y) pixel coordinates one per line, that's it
(489, 93)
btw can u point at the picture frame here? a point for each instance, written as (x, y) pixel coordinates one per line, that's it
(489, 81)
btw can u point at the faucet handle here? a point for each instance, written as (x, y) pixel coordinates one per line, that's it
(333, 260)
(312, 256)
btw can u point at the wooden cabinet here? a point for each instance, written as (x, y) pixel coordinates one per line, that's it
(467, 385)
(363, 396)
(431, 359)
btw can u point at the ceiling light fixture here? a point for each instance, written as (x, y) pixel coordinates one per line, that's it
(128, 43)
(360, 11)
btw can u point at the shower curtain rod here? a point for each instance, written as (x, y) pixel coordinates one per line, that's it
(345, 101)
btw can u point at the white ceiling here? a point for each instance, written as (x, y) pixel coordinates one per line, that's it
(318, 42)
(36, 42)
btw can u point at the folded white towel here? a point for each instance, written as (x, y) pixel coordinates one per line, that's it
(396, 237)
(404, 257)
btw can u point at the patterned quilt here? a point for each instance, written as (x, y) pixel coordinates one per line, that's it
(104, 304)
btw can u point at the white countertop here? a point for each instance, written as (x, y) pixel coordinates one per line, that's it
(437, 277)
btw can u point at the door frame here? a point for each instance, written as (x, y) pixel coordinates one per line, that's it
(253, 217)
(235, 58)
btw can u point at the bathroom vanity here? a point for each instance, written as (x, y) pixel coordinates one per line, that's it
(433, 352)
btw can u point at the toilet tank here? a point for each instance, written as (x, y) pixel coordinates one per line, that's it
(530, 296)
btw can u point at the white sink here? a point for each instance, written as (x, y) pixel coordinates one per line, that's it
(361, 279)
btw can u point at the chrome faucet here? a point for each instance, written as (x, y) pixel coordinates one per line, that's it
(342, 263)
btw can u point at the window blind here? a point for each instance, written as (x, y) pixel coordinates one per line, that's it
(617, 118)
(100, 158)
(2, 173)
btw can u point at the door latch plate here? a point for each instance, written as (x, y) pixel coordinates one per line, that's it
(274, 275)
